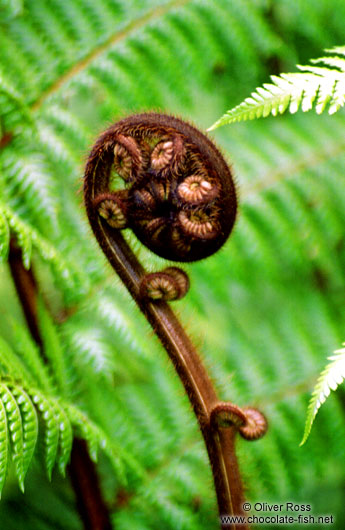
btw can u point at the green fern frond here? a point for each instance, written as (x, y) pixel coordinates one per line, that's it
(66, 439)
(29, 426)
(51, 429)
(29, 183)
(53, 349)
(11, 364)
(16, 432)
(23, 413)
(332, 376)
(96, 438)
(29, 353)
(28, 238)
(317, 87)
(13, 110)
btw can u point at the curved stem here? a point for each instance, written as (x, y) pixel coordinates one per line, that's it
(219, 441)
(157, 155)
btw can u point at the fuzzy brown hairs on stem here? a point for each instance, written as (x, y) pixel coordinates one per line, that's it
(166, 181)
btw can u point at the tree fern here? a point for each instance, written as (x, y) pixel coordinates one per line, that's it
(263, 310)
(317, 87)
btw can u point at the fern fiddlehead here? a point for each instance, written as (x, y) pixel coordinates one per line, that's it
(179, 199)
(165, 180)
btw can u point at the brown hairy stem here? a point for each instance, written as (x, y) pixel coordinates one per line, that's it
(220, 443)
(85, 482)
(84, 479)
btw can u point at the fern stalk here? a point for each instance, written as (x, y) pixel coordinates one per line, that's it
(26, 288)
(220, 443)
(91, 506)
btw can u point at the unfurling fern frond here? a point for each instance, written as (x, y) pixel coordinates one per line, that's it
(332, 376)
(315, 87)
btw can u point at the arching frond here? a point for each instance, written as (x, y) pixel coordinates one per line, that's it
(332, 376)
(317, 87)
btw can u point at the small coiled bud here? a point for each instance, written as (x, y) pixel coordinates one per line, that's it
(255, 426)
(198, 224)
(195, 189)
(162, 154)
(170, 284)
(122, 161)
(112, 208)
(144, 199)
(250, 422)
(181, 278)
(225, 414)
(129, 159)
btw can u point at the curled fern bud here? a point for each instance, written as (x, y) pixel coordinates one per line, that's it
(250, 422)
(255, 426)
(196, 189)
(170, 284)
(181, 201)
(181, 279)
(198, 224)
(225, 414)
(162, 155)
(112, 208)
(128, 158)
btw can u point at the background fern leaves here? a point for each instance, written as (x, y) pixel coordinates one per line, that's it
(317, 87)
(332, 376)
(24, 413)
(28, 414)
(27, 238)
(13, 110)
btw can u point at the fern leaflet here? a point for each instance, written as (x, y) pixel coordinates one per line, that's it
(316, 87)
(4, 445)
(15, 428)
(29, 424)
(330, 378)
(28, 238)
(20, 412)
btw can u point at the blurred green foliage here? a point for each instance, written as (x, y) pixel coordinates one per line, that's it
(265, 311)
